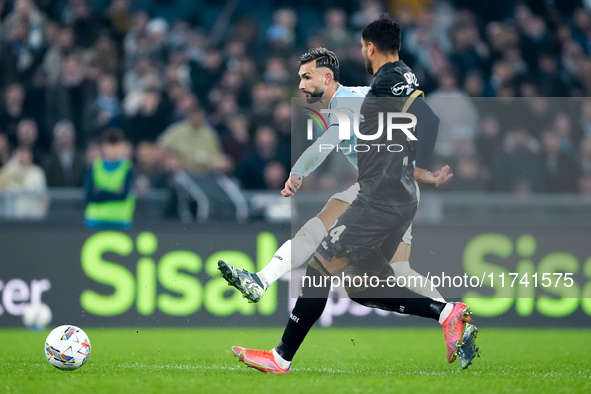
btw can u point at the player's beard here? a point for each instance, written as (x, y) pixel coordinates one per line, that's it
(368, 66)
(315, 96)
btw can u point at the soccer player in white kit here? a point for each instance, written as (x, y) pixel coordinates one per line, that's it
(319, 75)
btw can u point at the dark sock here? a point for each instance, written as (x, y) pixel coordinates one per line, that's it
(307, 310)
(399, 299)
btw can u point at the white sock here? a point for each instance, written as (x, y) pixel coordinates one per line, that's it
(279, 265)
(295, 252)
(306, 241)
(415, 281)
(280, 360)
(446, 312)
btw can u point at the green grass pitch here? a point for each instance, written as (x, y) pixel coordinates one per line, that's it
(147, 360)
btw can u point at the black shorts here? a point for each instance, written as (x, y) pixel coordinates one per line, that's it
(369, 232)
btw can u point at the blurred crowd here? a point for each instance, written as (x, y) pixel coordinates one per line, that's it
(204, 86)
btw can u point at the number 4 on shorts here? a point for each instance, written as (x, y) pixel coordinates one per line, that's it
(336, 232)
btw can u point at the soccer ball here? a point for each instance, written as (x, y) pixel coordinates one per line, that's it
(37, 316)
(67, 347)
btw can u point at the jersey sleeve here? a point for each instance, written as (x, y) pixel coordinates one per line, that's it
(317, 152)
(394, 85)
(427, 129)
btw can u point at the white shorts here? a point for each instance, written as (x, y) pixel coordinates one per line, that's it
(348, 195)
(351, 193)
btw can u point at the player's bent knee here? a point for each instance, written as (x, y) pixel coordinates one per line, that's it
(335, 266)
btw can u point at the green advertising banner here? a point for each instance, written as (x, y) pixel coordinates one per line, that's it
(167, 275)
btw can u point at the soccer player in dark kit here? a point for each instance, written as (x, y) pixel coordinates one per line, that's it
(364, 239)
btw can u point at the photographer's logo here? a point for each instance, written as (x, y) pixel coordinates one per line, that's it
(402, 121)
(318, 118)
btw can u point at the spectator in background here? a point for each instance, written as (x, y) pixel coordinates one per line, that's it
(179, 36)
(150, 173)
(13, 111)
(236, 138)
(584, 155)
(458, 117)
(549, 78)
(231, 83)
(104, 111)
(196, 143)
(584, 185)
(263, 103)
(22, 49)
(83, 21)
(282, 34)
(65, 165)
(67, 98)
(178, 69)
(514, 61)
(265, 151)
(205, 73)
(134, 77)
(22, 176)
(276, 72)
(282, 125)
(539, 113)
(585, 119)
(225, 107)
(173, 166)
(561, 169)
(337, 37)
(518, 167)
(144, 77)
(27, 11)
(467, 176)
(36, 104)
(501, 77)
(564, 127)
(108, 184)
(119, 18)
(93, 152)
(104, 54)
(136, 42)
(275, 175)
(369, 12)
(4, 150)
(57, 53)
(353, 70)
(488, 142)
(151, 119)
(467, 54)
(156, 31)
(27, 135)
(474, 84)
(182, 105)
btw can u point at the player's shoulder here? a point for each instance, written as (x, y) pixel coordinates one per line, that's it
(395, 79)
(349, 98)
(352, 91)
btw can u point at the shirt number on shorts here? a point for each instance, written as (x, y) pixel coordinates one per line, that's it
(336, 232)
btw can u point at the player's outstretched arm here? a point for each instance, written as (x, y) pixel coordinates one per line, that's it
(292, 185)
(429, 178)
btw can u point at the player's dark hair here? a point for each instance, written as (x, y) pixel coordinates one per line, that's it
(324, 58)
(112, 136)
(384, 33)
